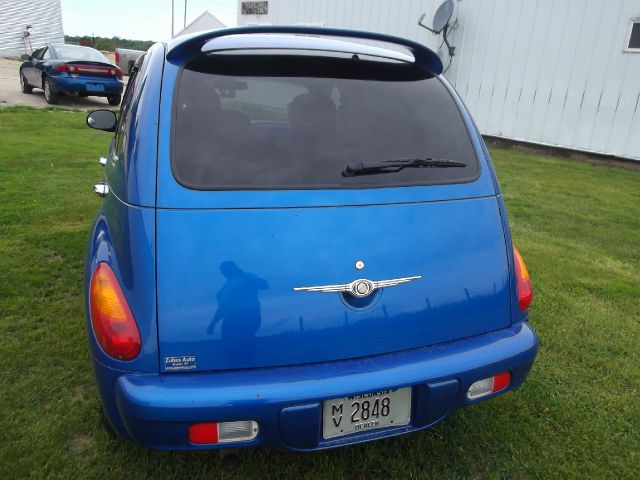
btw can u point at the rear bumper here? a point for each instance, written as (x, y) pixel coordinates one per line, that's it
(156, 410)
(76, 85)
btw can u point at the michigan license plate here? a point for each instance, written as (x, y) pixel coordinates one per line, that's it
(369, 411)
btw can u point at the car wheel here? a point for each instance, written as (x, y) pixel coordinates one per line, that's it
(24, 85)
(114, 100)
(49, 94)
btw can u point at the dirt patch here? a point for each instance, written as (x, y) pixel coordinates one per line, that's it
(53, 256)
(10, 93)
(78, 394)
(82, 444)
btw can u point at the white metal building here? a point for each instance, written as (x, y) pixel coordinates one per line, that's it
(44, 17)
(554, 72)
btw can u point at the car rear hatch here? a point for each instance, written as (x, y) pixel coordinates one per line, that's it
(255, 205)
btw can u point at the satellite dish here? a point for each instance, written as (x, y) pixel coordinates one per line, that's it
(440, 23)
(440, 19)
(442, 16)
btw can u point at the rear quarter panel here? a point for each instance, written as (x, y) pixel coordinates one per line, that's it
(124, 237)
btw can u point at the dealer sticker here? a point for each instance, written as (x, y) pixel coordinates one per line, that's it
(181, 362)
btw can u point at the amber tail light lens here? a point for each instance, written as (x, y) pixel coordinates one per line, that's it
(113, 323)
(524, 287)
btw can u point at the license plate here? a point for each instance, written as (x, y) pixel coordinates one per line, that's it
(369, 411)
(95, 87)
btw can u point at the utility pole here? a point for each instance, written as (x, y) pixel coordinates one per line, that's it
(185, 14)
(172, 15)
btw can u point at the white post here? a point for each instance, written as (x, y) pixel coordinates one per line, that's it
(172, 16)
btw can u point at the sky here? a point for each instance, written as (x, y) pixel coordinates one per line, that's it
(138, 19)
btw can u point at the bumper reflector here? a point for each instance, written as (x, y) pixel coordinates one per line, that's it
(487, 386)
(223, 432)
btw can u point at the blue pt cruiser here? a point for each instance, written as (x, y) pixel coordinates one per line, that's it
(302, 244)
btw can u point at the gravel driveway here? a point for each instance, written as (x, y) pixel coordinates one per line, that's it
(10, 93)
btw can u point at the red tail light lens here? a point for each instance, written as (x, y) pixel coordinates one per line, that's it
(200, 433)
(62, 67)
(523, 281)
(117, 57)
(118, 73)
(113, 323)
(501, 381)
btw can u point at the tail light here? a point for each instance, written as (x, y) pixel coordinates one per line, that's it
(113, 323)
(117, 57)
(524, 287)
(490, 385)
(63, 67)
(223, 432)
(117, 72)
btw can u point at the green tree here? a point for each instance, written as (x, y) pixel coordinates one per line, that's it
(108, 44)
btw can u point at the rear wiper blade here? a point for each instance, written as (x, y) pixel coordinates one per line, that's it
(389, 166)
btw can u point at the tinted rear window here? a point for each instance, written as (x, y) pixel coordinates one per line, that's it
(277, 122)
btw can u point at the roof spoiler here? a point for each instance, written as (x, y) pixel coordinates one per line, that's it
(190, 46)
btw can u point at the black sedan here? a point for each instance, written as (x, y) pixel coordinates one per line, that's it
(71, 69)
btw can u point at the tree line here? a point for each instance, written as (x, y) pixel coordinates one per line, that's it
(108, 44)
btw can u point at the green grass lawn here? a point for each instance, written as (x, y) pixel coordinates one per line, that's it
(578, 415)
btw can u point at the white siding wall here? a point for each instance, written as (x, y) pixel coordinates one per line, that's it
(546, 71)
(44, 15)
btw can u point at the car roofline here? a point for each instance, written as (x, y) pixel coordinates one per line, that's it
(299, 38)
(58, 44)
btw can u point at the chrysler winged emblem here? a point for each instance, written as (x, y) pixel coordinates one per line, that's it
(361, 287)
